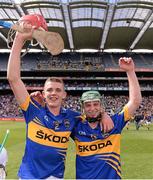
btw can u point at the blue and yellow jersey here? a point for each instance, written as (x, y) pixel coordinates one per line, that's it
(47, 138)
(98, 155)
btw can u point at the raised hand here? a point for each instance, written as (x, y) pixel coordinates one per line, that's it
(26, 31)
(126, 64)
(37, 96)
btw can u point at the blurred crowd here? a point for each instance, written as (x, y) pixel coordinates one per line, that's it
(10, 108)
(89, 61)
(83, 84)
(78, 61)
(71, 63)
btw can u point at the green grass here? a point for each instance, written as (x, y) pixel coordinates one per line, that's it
(136, 151)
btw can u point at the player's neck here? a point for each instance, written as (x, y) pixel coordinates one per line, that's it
(93, 125)
(54, 110)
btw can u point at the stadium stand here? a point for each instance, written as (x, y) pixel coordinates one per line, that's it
(78, 61)
(100, 25)
(110, 84)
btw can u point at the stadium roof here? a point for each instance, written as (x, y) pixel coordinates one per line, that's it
(89, 24)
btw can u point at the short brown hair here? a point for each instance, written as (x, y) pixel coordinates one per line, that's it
(54, 79)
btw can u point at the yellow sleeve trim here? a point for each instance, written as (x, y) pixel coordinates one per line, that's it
(24, 106)
(126, 113)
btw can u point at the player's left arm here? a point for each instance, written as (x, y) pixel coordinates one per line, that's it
(135, 97)
(38, 97)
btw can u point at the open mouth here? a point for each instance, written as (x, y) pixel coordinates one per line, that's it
(53, 98)
(92, 114)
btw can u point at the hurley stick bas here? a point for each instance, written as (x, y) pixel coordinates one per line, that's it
(51, 40)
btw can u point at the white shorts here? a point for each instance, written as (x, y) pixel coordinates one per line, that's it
(3, 161)
(3, 157)
(50, 177)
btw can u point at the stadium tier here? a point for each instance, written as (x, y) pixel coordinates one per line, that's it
(81, 72)
(79, 61)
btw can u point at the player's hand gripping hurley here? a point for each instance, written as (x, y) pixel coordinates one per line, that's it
(51, 40)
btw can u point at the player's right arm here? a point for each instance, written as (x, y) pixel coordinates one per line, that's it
(13, 69)
(135, 97)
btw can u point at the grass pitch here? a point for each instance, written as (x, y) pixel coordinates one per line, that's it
(136, 151)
